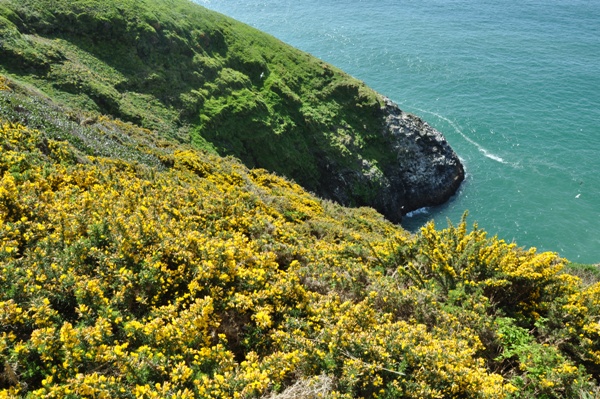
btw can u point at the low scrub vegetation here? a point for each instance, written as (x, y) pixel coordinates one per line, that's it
(164, 271)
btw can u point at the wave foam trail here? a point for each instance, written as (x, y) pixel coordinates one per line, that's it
(420, 211)
(481, 149)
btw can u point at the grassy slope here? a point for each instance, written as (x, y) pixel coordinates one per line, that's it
(196, 76)
(131, 266)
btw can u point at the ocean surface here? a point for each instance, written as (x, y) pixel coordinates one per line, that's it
(513, 85)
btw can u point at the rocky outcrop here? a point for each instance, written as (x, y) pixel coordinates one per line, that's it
(421, 169)
(428, 171)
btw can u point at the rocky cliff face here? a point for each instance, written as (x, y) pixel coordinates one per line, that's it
(422, 171)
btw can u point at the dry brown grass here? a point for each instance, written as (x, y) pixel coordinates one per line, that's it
(317, 387)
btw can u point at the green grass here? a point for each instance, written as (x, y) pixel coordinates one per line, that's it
(199, 77)
(88, 133)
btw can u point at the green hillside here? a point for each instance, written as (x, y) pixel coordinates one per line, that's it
(201, 78)
(138, 262)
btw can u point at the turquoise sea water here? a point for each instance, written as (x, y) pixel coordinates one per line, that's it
(513, 85)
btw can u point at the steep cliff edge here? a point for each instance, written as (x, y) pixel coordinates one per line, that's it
(199, 77)
(420, 169)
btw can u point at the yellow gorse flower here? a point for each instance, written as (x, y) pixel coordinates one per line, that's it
(207, 280)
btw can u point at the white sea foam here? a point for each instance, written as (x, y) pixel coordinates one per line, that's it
(492, 156)
(420, 211)
(458, 130)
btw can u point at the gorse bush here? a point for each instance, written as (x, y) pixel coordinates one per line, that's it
(187, 275)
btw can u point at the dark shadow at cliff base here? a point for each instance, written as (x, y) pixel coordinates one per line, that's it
(414, 220)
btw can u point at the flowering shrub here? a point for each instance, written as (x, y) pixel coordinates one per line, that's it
(518, 302)
(199, 278)
(4, 84)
